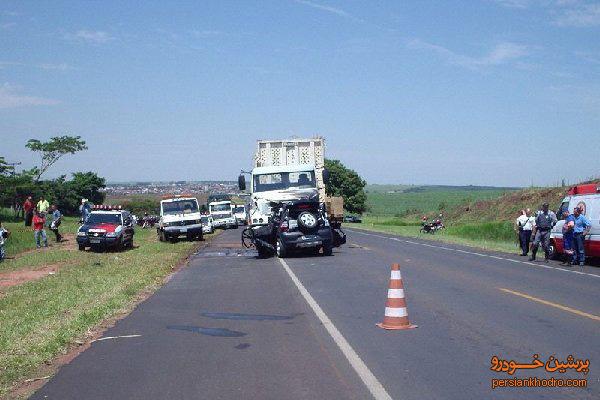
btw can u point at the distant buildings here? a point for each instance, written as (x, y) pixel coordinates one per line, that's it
(163, 188)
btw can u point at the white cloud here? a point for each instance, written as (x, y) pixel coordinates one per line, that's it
(582, 16)
(514, 3)
(11, 98)
(96, 37)
(574, 13)
(332, 10)
(205, 33)
(588, 56)
(45, 66)
(502, 53)
(55, 67)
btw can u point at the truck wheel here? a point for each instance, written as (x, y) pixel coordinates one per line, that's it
(161, 236)
(327, 250)
(262, 252)
(281, 250)
(81, 247)
(552, 254)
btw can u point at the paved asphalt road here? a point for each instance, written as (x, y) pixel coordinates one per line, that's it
(231, 326)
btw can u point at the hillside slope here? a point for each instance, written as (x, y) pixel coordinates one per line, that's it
(507, 206)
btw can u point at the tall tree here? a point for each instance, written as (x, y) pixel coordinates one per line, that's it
(347, 183)
(6, 168)
(52, 150)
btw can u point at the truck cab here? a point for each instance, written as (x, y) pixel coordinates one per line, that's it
(586, 196)
(222, 214)
(280, 183)
(179, 216)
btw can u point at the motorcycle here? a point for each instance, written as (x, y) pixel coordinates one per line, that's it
(432, 227)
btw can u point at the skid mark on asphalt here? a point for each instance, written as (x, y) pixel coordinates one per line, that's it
(249, 317)
(477, 254)
(549, 303)
(367, 377)
(219, 332)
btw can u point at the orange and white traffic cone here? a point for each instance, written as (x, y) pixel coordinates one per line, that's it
(396, 313)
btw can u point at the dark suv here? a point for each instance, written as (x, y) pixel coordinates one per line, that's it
(301, 225)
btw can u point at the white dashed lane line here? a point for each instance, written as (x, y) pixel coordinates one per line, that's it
(476, 254)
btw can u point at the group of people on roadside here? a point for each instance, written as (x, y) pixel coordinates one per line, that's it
(40, 216)
(535, 231)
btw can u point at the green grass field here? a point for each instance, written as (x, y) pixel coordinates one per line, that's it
(426, 201)
(43, 318)
(399, 212)
(21, 236)
(496, 236)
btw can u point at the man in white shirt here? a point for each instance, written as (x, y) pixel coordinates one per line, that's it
(525, 224)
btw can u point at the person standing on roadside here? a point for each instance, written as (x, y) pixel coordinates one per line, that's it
(581, 228)
(43, 206)
(525, 226)
(56, 220)
(568, 237)
(85, 210)
(4, 233)
(28, 209)
(544, 222)
(39, 234)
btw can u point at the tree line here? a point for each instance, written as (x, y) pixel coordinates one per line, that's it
(66, 193)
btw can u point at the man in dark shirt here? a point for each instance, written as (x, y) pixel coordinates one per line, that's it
(544, 222)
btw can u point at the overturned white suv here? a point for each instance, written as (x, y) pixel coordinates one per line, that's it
(179, 216)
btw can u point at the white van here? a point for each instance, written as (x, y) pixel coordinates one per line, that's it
(588, 197)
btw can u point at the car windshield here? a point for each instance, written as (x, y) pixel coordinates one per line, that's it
(220, 207)
(204, 220)
(239, 209)
(180, 207)
(284, 180)
(96, 218)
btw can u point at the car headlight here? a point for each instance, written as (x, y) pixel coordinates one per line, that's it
(111, 234)
(81, 233)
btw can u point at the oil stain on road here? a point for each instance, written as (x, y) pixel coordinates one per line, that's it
(219, 332)
(248, 317)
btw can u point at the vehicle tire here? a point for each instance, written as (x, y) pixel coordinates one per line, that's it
(130, 243)
(552, 254)
(161, 236)
(327, 250)
(280, 249)
(81, 247)
(262, 252)
(307, 220)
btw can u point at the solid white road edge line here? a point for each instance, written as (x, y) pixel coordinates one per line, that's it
(478, 254)
(370, 381)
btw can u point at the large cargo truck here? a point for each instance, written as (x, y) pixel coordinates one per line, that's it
(287, 176)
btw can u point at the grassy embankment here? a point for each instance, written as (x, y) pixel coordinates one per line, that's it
(481, 217)
(43, 318)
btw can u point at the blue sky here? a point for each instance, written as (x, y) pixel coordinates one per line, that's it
(486, 92)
